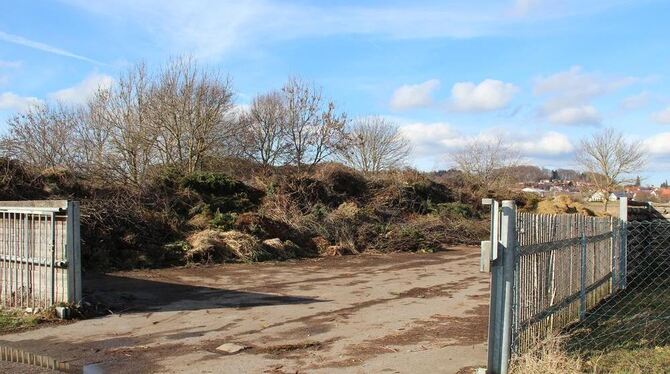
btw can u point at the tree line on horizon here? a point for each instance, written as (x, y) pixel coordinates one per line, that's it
(184, 116)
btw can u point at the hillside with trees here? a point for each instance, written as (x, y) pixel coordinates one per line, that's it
(169, 171)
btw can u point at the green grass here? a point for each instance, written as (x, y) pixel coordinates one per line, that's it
(17, 320)
(632, 361)
(629, 333)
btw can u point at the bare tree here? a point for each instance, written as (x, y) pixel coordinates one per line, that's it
(314, 130)
(610, 159)
(188, 113)
(44, 136)
(264, 127)
(486, 162)
(376, 145)
(121, 113)
(92, 139)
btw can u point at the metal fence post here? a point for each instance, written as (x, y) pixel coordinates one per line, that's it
(508, 238)
(73, 251)
(52, 254)
(502, 286)
(623, 244)
(496, 303)
(582, 273)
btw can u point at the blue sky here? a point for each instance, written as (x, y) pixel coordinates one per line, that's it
(540, 73)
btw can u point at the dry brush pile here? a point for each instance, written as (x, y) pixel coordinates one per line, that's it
(228, 214)
(169, 170)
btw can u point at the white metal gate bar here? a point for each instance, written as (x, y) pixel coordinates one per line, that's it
(39, 254)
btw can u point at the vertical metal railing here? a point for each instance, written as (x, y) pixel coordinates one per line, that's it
(39, 254)
(502, 256)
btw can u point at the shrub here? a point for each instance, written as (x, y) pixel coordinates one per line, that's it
(394, 198)
(224, 221)
(221, 192)
(457, 210)
(212, 183)
(420, 233)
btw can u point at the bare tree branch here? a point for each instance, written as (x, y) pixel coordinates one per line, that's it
(376, 145)
(610, 159)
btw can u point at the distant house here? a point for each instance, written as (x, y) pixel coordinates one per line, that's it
(597, 196)
(614, 196)
(661, 193)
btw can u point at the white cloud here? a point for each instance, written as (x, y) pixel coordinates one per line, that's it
(576, 86)
(662, 117)
(577, 115)
(13, 102)
(431, 138)
(635, 101)
(488, 95)
(569, 95)
(414, 95)
(16, 39)
(210, 28)
(549, 144)
(437, 139)
(658, 144)
(79, 93)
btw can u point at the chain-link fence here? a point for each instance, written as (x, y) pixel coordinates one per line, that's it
(637, 316)
(602, 282)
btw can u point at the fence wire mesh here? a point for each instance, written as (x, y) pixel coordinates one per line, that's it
(565, 266)
(602, 284)
(638, 314)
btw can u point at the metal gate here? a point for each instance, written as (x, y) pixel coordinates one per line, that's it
(547, 272)
(40, 261)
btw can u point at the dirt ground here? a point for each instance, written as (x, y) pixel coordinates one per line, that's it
(392, 313)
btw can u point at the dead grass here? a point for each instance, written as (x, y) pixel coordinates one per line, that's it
(214, 245)
(547, 358)
(552, 358)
